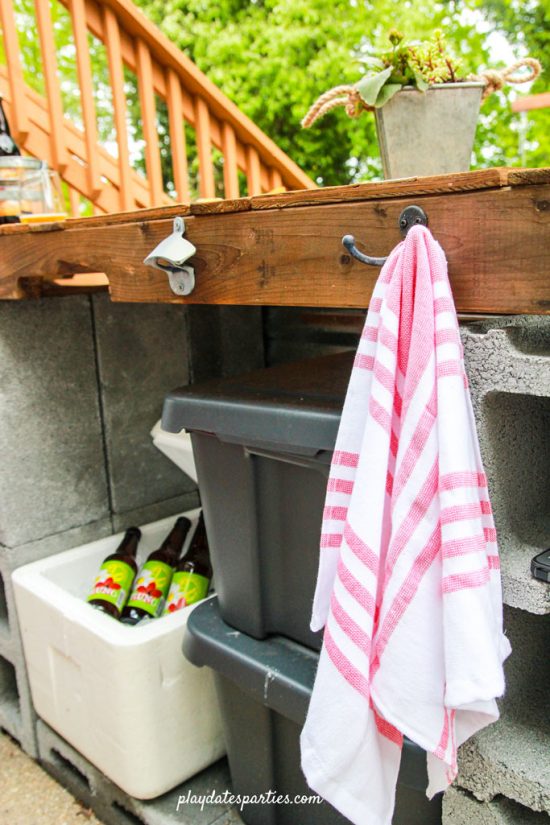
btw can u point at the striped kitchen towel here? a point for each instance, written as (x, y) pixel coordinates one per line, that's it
(409, 584)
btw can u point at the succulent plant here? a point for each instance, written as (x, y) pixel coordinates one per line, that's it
(420, 65)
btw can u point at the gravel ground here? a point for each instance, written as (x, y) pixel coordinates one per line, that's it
(28, 796)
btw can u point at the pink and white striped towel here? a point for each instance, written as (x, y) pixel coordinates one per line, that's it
(409, 583)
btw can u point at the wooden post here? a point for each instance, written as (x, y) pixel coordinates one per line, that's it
(177, 135)
(20, 120)
(230, 170)
(74, 200)
(116, 74)
(207, 186)
(49, 63)
(149, 119)
(80, 32)
(275, 179)
(253, 171)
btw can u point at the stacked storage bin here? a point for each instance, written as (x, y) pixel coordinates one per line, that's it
(263, 445)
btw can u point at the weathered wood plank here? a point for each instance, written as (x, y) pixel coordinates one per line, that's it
(497, 242)
(453, 183)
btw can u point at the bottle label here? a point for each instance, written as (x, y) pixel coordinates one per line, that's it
(151, 586)
(186, 588)
(113, 583)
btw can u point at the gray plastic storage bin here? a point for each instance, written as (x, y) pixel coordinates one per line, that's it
(264, 689)
(263, 444)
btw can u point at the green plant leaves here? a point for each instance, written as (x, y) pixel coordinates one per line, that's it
(386, 93)
(369, 87)
(420, 82)
(375, 90)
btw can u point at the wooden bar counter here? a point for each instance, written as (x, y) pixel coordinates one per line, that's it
(286, 249)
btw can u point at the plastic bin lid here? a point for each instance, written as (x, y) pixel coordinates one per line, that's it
(276, 672)
(292, 405)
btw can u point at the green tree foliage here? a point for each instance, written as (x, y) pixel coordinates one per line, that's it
(274, 57)
(527, 27)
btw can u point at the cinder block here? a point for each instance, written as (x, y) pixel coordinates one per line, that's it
(157, 511)
(142, 353)
(51, 444)
(114, 807)
(510, 758)
(17, 715)
(12, 557)
(509, 373)
(460, 808)
(16, 711)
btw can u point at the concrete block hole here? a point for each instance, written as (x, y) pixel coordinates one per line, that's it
(519, 432)
(66, 765)
(9, 693)
(531, 340)
(128, 816)
(4, 624)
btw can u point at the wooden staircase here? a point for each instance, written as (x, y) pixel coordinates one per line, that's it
(234, 157)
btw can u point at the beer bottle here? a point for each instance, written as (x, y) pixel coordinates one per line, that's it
(192, 575)
(116, 575)
(7, 143)
(9, 208)
(153, 580)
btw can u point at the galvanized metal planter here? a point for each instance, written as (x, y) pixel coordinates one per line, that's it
(429, 133)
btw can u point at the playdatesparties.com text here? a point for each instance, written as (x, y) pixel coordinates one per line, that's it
(240, 801)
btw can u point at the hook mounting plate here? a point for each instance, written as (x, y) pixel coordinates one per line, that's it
(411, 216)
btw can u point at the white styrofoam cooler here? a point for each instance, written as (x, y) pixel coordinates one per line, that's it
(123, 696)
(177, 447)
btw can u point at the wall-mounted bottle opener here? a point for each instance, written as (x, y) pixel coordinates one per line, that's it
(170, 256)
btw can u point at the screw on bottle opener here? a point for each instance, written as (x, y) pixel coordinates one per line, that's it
(170, 256)
(409, 217)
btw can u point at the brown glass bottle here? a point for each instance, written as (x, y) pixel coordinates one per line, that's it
(114, 581)
(153, 580)
(7, 147)
(7, 144)
(193, 573)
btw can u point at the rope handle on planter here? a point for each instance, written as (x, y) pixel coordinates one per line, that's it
(351, 100)
(495, 79)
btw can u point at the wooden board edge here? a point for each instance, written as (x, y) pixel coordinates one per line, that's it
(493, 178)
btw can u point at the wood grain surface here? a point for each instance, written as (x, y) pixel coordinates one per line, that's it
(495, 231)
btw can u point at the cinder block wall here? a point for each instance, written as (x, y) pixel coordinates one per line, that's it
(82, 382)
(504, 772)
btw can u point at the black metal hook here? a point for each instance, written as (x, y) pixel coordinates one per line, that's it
(410, 216)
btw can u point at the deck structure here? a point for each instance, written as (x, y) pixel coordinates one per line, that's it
(105, 176)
